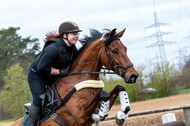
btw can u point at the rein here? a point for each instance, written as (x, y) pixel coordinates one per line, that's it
(104, 73)
(112, 62)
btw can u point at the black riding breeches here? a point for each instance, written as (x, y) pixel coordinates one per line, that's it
(36, 84)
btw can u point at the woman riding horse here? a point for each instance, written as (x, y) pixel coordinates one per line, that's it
(50, 64)
(80, 109)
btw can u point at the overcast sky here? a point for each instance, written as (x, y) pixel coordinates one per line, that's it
(37, 17)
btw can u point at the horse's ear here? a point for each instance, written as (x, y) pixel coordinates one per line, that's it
(112, 33)
(120, 34)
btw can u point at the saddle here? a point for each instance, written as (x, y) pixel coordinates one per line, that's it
(47, 101)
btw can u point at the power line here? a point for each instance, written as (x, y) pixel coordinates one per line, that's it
(137, 13)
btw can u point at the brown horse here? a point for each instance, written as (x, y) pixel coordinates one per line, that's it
(107, 50)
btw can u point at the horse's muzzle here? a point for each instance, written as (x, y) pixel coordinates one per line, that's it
(131, 79)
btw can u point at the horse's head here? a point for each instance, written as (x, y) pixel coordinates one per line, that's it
(114, 56)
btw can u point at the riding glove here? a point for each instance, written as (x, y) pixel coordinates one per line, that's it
(63, 72)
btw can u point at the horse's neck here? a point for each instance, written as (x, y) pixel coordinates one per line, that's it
(88, 60)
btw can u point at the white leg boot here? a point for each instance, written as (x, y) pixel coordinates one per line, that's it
(99, 114)
(125, 108)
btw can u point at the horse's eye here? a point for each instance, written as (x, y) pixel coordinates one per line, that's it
(114, 51)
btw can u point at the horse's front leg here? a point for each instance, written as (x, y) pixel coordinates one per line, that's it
(124, 100)
(103, 111)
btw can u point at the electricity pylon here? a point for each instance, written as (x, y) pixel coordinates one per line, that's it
(160, 42)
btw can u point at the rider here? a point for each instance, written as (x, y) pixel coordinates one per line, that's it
(51, 64)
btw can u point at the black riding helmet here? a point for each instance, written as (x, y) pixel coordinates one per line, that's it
(68, 27)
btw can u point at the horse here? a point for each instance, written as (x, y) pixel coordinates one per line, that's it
(91, 104)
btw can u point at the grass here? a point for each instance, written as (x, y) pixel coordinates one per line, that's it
(187, 90)
(8, 120)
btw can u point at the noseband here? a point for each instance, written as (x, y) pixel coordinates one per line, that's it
(112, 62)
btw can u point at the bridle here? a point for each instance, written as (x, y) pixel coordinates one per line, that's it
(112, 62)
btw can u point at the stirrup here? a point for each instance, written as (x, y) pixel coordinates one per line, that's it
(27, 106)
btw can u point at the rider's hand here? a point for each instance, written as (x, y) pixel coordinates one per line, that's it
(63, 72)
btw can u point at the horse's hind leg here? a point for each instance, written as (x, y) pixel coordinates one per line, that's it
(124, 100)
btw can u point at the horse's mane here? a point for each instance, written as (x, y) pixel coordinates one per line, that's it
(94, 35)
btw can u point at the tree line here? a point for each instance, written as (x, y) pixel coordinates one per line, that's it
(16, 54)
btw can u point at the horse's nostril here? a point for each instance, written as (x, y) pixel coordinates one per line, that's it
(133, 78)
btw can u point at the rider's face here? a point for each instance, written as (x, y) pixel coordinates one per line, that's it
(73, 37)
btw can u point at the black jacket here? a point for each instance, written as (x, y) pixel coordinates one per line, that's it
(55, 54)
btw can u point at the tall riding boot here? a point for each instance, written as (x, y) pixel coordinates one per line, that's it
(34, 115)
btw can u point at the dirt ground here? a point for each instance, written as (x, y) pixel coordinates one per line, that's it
(146, 120)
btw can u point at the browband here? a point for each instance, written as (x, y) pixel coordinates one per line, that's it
(111, 39)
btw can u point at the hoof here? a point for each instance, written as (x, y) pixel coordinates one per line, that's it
(119, 121)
